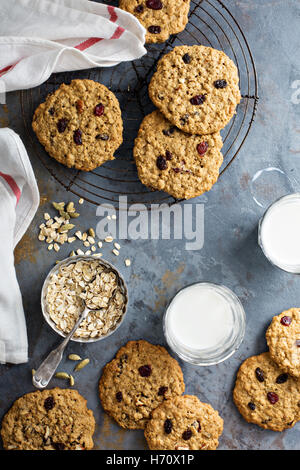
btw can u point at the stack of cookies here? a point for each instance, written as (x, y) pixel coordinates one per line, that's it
(267, 389)
(178, 147)
(142, 389)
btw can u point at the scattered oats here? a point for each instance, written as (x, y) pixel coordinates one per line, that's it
(71, 239)
(117, 245)
(91, 232)
(86, 243)
(97, 255)
(100, 244)
(41, 237)
(42, 226)
(108, 239)
(93, 248)
(114, 216)
(78, 235)
(127, 262)
(88, 252)
(91, 240)
(80, 252)
(50, 247)
(71, 380)
(116, 252)
(81, 201)
(56, 247)
(84, 236)
(47, 216)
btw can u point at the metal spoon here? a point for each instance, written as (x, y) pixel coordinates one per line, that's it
(45, 372)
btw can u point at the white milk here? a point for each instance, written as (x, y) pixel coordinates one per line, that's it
(279, 234)
(200, 317)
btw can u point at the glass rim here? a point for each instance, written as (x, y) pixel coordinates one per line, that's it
(202, 357)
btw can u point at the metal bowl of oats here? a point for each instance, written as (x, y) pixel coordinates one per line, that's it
(81, 280)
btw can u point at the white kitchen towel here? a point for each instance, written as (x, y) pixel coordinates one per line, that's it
(39, 37)
(19, 200)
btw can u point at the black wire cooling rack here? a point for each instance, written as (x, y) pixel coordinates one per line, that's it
(211, 24)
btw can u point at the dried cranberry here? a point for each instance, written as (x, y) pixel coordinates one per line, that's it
(251, 406)
(197, 100)
(162, 390)
(298, 343)
(49, 403)
(286, 321)
(154, 4)
(77, 137)
(168, 426)
(161, 163)
(99, 109)
(202, 148)
(272, 397)
(145, 371)
(169, 156)
(220, 84)
(62, 125)
(139, 9)
(51, 111)
(58, 445)
(186, 58)
(102, 137)
(169, 132)
(154, 29)
(119, 396)
(186, 435)
(177, 170)
(259, 374)
(282, 378)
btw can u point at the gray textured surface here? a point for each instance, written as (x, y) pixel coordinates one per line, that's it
(159, 268)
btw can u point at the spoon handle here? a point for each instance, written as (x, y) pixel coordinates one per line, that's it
(45, 372)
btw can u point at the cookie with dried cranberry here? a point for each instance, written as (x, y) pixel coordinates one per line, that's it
(161, 18)
(196, 88)
(80, 124)
(170, 160)
(265, 395)
(49, 420)
(140, 378)
(283, 338)
(184, 423)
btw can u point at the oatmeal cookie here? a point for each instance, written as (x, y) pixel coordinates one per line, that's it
(134, 383)
(196, 88)
(184, 423)
(170, 160)
(49, 420)
(161, 18)
(265, 395)
(80, 124)
(283, 338)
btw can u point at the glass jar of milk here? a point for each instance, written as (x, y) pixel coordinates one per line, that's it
(204, 323)
(279, 233)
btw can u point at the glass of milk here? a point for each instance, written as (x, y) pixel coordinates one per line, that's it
(279, 233)
(204, 323)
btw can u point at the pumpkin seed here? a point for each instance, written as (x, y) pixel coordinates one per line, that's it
(74, 357)
(62, 375)
(82, 364)
(70, 207)
(58, 205)
(65, 228)
(74, 215)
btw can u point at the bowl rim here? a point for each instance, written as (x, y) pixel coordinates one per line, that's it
(66, 262)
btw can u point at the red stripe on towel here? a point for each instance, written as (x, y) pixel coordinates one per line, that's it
(88, 43)
(12, 184)
(113, 14)
(118, 32)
